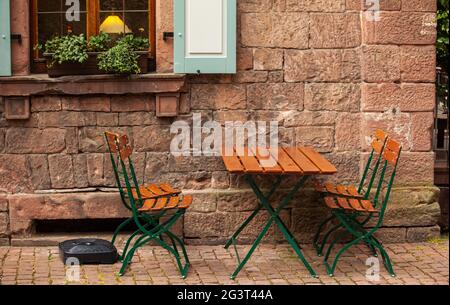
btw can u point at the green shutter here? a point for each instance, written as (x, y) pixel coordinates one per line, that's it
(205, 36)
(5, 39)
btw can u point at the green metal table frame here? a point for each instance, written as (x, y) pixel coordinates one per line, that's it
(264, 204)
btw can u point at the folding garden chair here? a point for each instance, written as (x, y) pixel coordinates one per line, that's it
(361, 191)
(347, 209)
(148, 204)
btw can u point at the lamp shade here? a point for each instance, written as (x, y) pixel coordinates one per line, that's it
(114, 25)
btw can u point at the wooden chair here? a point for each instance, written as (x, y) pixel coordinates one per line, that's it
(347, 210)
(361, 191)
(148, 204)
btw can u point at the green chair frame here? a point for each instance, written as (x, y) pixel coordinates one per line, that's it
(150, 226)
(378, 145)
(349, 221)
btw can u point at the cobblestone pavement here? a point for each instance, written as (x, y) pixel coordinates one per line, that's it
(419, 263)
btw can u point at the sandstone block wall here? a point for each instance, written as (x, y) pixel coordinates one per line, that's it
(325, 72)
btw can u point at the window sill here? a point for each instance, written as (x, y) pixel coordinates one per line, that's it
(41, 84)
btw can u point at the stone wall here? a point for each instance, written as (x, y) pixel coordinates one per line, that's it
(319, 67)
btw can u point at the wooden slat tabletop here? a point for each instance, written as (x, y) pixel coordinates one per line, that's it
(288, 160)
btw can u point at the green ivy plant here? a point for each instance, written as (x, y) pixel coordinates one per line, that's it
(100, 43)
(122, 58)
(70, 48)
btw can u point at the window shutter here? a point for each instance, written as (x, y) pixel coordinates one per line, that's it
(205, 36)
(5, 39)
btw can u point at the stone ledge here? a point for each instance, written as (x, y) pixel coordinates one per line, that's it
(40, 84)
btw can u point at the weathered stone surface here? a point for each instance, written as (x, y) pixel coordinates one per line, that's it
(20, 53)
(46, 103)
(309, 118)
(281, 30)
(222, 96)
(396, 124)
(306, 221)
(80, 173)
(39, 172)
(71, 140)
(236, 201)
(418, 63)
(131, 103)
(4, 220)
(230, 115)
(268, 59)
(415, 169)
(337, 97)
(203, 202)
(419, 5)
(403, 97)
(61, 171)
(385, 5)
(92, 139)
(156, 163)
(220, 180)
(334, 31)
(108, 119)
(275, 77)
(275, 96)
(15, 173)
(26, 208)
(244, 58)
(3, 203)
(2, 139)
(195, 163)
(380, 64)
(95, 170)
(35, 141)
(321, 138)
(250, 6)
(348, 127)
(422, 131)
(347, 165)
(315, 5)
(400, 28)
(391, 235)
(89, 103)
(250, 76)
(322, 66)
(421, 234)
(66, 118)
(220, 224)
(152, 138)
(138, 118)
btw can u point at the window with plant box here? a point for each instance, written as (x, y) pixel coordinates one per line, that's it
(115, 17)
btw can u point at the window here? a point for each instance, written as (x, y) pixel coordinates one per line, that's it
(118, 16)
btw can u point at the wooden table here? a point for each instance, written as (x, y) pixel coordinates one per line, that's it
(301, 161)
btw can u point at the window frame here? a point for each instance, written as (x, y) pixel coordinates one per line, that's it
(38, 65)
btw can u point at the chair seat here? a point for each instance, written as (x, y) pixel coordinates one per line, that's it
(350, 204)
(154, 191)
(341, 190)
(166, 203)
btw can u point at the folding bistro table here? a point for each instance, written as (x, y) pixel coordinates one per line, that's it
(301, 161)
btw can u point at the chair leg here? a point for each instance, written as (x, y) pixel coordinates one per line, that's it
(317, 236)
(119, 228)
(326, 236)
(386, 259)
(130, 253)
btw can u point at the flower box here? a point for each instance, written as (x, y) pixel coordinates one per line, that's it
(89, 67)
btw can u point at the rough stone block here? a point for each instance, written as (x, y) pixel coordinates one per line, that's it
(15, 169)
(46, 103)
(380, 64)
(89, 103)
(321, 138)
(337, 97)
(322, 66)
(315, 6)
(400, 28)
(152, 138)
(221, 96)
(275, 96)
(421, 234)
(280, 30)
(348, 127)
(403, 97)
(268, 59)
(250, 76)
(418, 63)
(422, 130)
(61, 171)
(419, 5)
(131, 103)
(334, 31)
(39, 172)
(33, 140)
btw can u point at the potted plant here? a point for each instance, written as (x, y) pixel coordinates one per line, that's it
(75, 55)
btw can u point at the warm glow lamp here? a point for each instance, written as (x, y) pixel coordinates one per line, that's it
(114, 25)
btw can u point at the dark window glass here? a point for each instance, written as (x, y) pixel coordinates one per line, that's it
(133, 13)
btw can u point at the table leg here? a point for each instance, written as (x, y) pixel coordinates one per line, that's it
(274, 216)
(255, 212)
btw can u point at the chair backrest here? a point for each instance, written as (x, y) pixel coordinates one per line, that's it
(120, 153)
(378, 143)
(391, 155)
